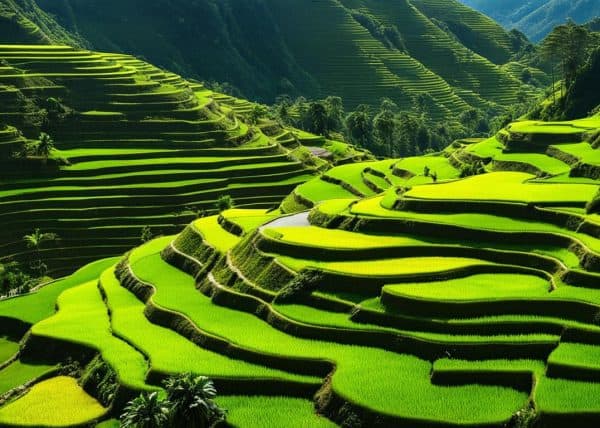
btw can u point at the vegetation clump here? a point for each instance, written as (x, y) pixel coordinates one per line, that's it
(189, 402)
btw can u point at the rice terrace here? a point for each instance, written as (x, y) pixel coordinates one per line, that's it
(283, 213)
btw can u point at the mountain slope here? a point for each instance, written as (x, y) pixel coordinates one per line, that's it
(22, 21)
(361, 50)
(536, 18)
(138, 146)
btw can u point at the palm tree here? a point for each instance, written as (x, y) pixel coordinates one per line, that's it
(145, 411)
(192, 401)
(35, 240)
(45, 146)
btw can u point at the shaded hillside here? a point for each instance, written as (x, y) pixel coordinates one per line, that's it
(22, 21)
(139, 147)
(361, 50)
(536, 18)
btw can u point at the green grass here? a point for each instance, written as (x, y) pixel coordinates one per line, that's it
(309, 315)
(212, 232)
(476, 287)
(372, 207)
(37, 306)
(398, 266)
(437, 164)
(318, 237)
(8, 348)
(535, 127)
(272, 412)
(170, 353)
(505, 186)
(351, 175)
(567, 397)
(83, 319)
(19, 372)
(317, 190)
(59, 401)
(542, 162)
(249, 220)
(449, 364)
(582, 151)
(576, 354)
(401, 379)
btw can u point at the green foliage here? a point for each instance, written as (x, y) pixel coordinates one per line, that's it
(146, 235)
(385, 33)
(13, 280)
(388, 131)
(36, 240)
(470, 169)
(224, 202)
(45, 146)
(191, 399)
(146, 411)
(568, 45)
(257, 112)
(396, 49)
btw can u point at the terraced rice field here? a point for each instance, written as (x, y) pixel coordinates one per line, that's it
(397, 292)
(144, 148)
(411, 302)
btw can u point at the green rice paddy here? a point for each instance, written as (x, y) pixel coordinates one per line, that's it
(396, 292)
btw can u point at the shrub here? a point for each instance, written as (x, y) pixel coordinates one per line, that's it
(524, 418)
(224, 202)
(146, 234)
(13, 280)
(191, 401)
(146, 411)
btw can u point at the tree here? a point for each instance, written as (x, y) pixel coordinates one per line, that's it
(146, 411)
(224, 203)
(282, 113)
(146, 234)
(13, 279)
(45, 146)
(35, 240)
(360, 126)
(385, 128)
(335, 113)
(317, 118)
(257, 112)
(568, 44)
(191, 400)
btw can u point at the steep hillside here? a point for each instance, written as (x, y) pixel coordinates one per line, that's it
(438, 302)
(138, 147)
(536, 18)
(22, 21)
(361, 50)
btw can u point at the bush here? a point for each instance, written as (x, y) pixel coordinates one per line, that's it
(13, 280)
(224, 202)
(146, 234)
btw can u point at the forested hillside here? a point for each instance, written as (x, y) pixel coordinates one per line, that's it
(536, 18)
(435, 52)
